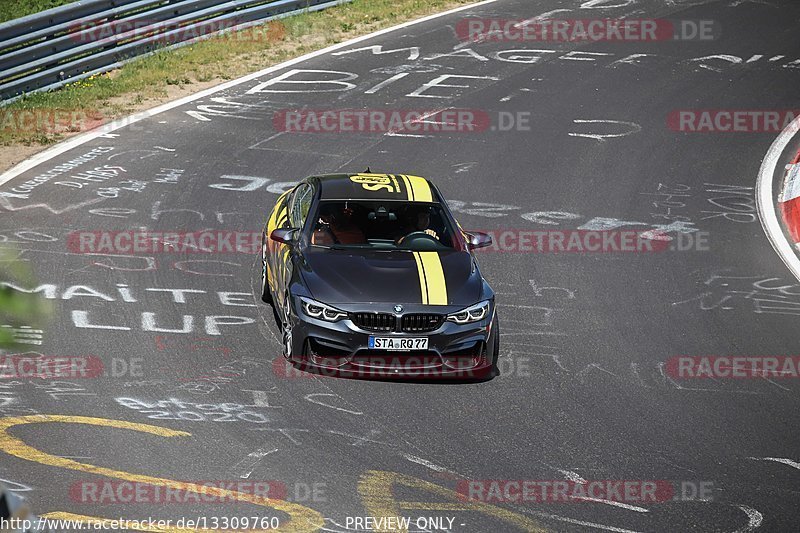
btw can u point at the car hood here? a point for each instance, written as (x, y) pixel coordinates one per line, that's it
(388, 277)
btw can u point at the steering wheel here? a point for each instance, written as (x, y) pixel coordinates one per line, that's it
(417, 235)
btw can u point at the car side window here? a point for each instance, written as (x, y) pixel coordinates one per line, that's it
(299, 205)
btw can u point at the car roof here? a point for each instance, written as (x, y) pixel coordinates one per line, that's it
(368, 186)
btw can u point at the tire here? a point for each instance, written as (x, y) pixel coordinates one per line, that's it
(266, 295)
(495, 370)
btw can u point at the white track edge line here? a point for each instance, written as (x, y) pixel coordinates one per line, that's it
(78, 140)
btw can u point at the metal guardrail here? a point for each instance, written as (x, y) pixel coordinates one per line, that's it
(66, 44)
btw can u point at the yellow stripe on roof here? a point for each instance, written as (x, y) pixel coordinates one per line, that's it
(421, 188)
(409, 189)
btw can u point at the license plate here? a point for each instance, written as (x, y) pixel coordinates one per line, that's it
(398, 343)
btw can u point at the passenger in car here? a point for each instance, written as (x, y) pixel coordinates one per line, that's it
(337, 228)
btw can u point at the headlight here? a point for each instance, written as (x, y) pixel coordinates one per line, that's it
(321, 311)
(475, 313)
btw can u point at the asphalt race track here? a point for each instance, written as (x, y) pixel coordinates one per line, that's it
(584, 392)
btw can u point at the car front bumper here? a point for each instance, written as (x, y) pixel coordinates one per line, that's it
(455, 351)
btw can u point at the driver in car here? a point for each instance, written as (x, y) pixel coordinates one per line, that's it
(416, 219)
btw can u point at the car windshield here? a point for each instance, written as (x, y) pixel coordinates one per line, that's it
(382, 225)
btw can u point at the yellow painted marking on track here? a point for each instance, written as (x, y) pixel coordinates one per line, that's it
(377, 494)
(423, 285)
(434, 277)
(422, 190)
(303, 519)
(437, 506)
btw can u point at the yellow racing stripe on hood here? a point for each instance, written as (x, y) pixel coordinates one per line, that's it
(423, 285)
(431, 278)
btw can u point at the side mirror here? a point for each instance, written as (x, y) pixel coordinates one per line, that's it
(285, 235)
(478, 239)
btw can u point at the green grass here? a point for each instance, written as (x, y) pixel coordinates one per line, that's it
(146, 81)
(13, 9)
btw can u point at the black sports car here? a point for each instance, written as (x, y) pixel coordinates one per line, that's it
(370, 274)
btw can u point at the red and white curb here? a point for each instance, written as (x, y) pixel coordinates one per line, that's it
(789, 200)
(771, 205)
